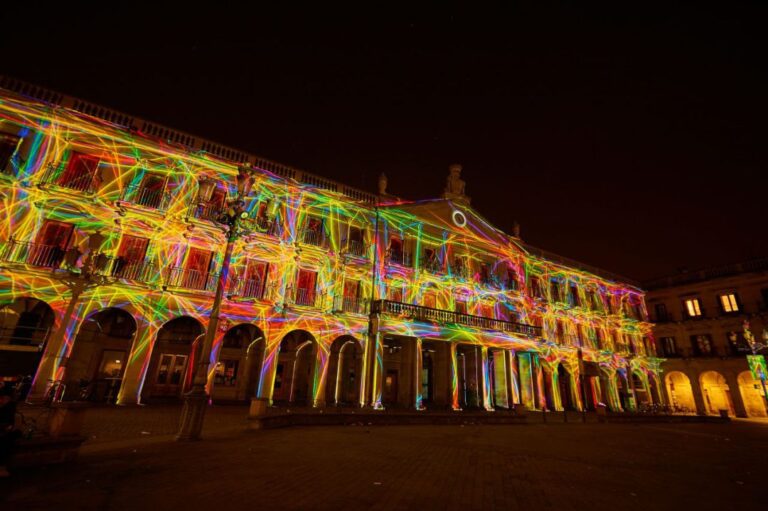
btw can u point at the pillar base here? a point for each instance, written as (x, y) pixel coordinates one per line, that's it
(192, 415)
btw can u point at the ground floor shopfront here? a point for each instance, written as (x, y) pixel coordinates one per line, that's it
(114, 346)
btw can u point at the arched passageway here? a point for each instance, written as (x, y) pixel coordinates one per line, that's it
(345, 367)
(752, 395)
(238, 366)
(565, 386)
(716, 393)
(296, 368)
(470, 376)
(680, 392)
(25, 326)
(642, 394)
(173, 360)
(95, 368)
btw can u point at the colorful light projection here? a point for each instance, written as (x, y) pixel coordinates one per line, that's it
(448, 258)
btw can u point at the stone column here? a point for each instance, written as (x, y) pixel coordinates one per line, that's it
(453, 382)
(417, 379)
(266, 386)
(321, 364)
(698, 394)
(735, 392)
(485, 378)
(510, 378)
(137, 365)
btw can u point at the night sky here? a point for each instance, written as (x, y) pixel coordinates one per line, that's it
(633, 141)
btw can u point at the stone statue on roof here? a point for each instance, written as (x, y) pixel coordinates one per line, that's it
(454, 185)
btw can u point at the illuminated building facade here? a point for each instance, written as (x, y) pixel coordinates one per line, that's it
(336, 297)
(699, 329)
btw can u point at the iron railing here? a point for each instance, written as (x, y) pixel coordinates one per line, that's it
(351, 304)
(430, 315)
(146, 197)
(54, 175)
(400, 257)
(186, 278)
(247, 288)
(136, 271)
(305, 297)
(312, 237)
(431, 265)
(34, 254)
(357, 248)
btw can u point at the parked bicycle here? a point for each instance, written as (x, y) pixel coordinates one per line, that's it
(54, 392)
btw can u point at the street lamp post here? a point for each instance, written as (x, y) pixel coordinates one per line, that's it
(196, 400)
(755, 347)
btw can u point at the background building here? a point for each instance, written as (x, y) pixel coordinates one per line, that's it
(112, 247)
(699, 327)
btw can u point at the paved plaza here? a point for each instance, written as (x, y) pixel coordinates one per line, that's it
(131, 462)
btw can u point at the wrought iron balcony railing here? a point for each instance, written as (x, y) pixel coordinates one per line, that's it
(21, 335)
(351, 304)
(136, 271)
(247, 288)
(401, 258)
(56, 175)
(427, 314)
(305, 297)
(34, 254)
(146, 197)
(431, 265)
(186, 278)
(210, 211)
(312, 237)
(357, 248)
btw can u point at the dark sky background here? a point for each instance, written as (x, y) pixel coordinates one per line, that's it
(634, 141)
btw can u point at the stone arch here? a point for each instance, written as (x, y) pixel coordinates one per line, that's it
(296, 369)
(716, 393)
(26, 323)
(680, 392)
(609, 388)
(642, 390)
(97, 361)
(752, 394)
(655, 388)
(239, 358)
(344, 372)
(175, 352)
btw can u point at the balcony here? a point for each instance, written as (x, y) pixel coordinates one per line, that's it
(357, 248)
(431, 265)
(400, 257)
(55, 175)
(135, 271)
(429, 315)
(247, 288)
(139, 195)
(306, 297)
(312, 237)
(185, 278)
(351, 304)
(33, 254)
(207, 211)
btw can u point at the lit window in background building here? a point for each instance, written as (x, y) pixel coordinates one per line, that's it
(729, 303)
(693, 307)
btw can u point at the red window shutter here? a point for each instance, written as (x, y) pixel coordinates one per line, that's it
(79, 169)
(199, 260)
(351, 289)
(133, 248)
(55, 234)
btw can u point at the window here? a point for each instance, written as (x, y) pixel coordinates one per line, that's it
(212, 208)
(668, 347)
(79, 172)
(554, 290)
(351, 299)
(430, 300)
(484, 273)
(151, 192)
(535, 287)
(255, 279)
(460, 267)
(130, 256)
(460, 306)
(729, 303)
(397, 253)
(485, 311)
(430, 261)
(314, 233)
(111, 364)
(51, 244)
(306, 281)
(573, 296)
(226, 373)
(693, 307)
(8, 146)
(197, 268)
(355, 242)
(395, 293)
(702, 345)
(661, 312)
(510, 280)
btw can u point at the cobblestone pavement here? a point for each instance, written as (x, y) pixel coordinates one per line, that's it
(535, 466)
